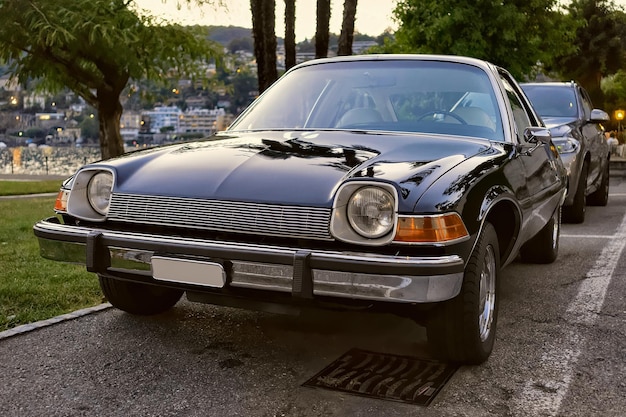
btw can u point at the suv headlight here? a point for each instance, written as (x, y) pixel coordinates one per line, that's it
(566, 144)
(99, 191)
(370, 212)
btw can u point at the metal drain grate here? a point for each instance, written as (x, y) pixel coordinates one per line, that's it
(385, 376)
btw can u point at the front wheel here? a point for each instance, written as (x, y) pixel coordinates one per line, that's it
(576, 212)
(464, 329)
(138, 298)
(600, 197)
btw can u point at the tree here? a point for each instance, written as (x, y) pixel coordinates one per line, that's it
(512, 34)
(599, 42)
(344, 46)
(322, 29)
(264, 33)
(94, 47)
(290, 33)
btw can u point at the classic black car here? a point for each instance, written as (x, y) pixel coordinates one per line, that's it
(577, 132)
(401, 183)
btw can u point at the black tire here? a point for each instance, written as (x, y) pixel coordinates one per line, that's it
(600, 197)
(463, 329)
(138, 298)
(543, 248)
(576, 212)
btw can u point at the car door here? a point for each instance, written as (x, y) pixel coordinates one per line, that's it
(593, 135)
(537, 161)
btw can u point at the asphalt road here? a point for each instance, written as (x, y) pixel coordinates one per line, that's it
(560, 350)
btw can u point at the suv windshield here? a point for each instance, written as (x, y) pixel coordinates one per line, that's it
(384, 95)
(552, 101)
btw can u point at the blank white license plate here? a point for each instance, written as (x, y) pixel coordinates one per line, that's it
(188, 271)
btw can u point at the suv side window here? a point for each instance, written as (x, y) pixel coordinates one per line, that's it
(519, 112)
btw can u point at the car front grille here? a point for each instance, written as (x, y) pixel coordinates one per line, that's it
(224, 216)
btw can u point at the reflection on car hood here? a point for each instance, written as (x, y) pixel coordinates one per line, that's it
(552, 122)
(291, 167)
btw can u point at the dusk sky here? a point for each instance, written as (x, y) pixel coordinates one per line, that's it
(373, 16)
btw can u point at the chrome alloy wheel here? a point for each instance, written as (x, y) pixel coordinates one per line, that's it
(487, 294)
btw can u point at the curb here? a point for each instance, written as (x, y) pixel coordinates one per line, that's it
(24, 328)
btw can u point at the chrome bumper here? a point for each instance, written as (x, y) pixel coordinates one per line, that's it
(302, 272)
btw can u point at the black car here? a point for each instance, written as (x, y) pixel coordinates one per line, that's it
(578, 134)
(400, 183)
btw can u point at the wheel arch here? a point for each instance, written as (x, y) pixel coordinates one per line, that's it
(505, 216)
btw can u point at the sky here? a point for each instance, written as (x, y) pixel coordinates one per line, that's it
(372, 16)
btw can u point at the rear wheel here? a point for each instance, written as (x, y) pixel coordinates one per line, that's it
(138, 298)
(544, 247)
(463, 329)
(576, 212)
(601, 196)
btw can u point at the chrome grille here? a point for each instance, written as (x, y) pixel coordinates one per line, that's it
(227, 216)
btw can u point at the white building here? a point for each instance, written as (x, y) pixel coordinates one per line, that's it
(162, 117)
(202, 121)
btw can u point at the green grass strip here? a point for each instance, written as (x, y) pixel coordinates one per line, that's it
(29, 187)
(31, 287)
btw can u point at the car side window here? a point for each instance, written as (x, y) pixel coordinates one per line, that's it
(520, 116)
(586, 103)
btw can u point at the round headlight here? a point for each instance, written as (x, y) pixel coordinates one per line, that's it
(371, 212)
(99, 191)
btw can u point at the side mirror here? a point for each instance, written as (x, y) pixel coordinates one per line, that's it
(599, 116)
(539, 135)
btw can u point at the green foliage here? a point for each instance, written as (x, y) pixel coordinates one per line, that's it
(94, 47)
(513, 34)
(600, 45)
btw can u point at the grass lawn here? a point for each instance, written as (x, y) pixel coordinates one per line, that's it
(33, 288)
(29, 187)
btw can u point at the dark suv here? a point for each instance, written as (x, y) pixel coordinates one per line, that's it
(566, 109)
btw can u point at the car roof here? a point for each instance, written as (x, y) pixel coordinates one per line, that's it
(402, 57)
(564, 84)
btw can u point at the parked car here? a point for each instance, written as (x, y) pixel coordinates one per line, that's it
(577, 131)
(400, 183)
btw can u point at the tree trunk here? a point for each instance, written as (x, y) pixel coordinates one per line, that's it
(264, 34)
(109, 114)
(269, 32)
(290, 33)
(346, 37)
(322, 30)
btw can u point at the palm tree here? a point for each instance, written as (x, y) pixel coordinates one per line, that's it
(290, 33)
(263, 31)
(322, 29)
(344, 46)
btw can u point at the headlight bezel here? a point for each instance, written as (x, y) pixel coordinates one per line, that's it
(340, 225)
(80, 203)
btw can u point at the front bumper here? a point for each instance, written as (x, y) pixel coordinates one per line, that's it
(302, 272)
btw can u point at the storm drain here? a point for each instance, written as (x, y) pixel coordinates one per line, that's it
(384, 376)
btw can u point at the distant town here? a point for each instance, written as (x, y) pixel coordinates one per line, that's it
(152, 114)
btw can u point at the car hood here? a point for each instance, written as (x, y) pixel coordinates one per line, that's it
(554, 122)
(291, 167)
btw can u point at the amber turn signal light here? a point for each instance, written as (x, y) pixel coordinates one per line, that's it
(430, 229)
(60, 205)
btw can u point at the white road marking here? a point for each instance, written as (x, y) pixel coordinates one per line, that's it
(588, 236)
(544, 393)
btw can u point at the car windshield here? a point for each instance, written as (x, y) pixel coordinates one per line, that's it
(552, 101)
(380, 95)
